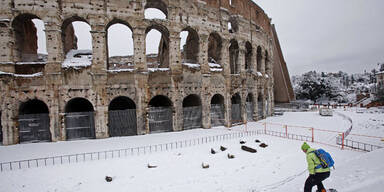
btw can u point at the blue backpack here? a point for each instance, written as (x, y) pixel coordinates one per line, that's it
(325, 159)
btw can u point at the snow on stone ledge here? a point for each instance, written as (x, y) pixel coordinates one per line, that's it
(214, 65)
(266, 76)
(192, 65)
(120, 70)
(259, 74)
(78, 59)
(157, 69)
(215, 69)
(22, 75)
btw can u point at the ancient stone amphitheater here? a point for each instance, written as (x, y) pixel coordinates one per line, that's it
(230, 70)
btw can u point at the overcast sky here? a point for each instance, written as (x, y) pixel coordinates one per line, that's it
(328, 35)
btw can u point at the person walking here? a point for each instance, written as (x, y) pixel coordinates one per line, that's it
(317, 173)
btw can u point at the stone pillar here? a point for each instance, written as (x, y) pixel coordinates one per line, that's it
(54, 46)
(243, 105)
(203, 54)
(99, 75)
(227, 75)
(253, 66)
(177, 76)
(139, 49)
(263, 62)
(6, 45)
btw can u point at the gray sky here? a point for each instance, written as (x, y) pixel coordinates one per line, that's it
(328, 35)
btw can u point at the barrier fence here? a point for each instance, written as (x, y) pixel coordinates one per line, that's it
(119, 153)
(301, 133)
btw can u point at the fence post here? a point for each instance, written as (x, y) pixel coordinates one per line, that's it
(342, 141)
(265, 128)
(286, 130)
(313, 134)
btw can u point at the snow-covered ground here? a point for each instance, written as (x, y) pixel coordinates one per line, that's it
(279, 167)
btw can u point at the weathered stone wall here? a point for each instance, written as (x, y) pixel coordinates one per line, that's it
(55, 86)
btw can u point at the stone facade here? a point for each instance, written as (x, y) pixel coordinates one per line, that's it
(244, 55)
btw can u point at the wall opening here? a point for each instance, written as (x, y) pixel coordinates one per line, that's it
(79, 119)
(120, 46)
(192, 112)
(234, 56)
(30, 44)
(267, 63)
(236, 109)
(217, 110)
(160, 115)
(155, 9)
(33, 106)
(122, 117)
(248, 56)
(189, 46)
(78, 105)
(33, 121)
(259, 59)
(157, 47)
(214, 48)
(249, 104)
(233, 25)
(260, 105)
(77, 42)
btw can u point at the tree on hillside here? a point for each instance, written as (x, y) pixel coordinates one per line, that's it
(314, 87)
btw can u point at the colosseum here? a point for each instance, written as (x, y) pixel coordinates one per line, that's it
(230, 71)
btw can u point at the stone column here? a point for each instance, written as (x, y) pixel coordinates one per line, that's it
(99, 75)
(6, 45)
(203, 54)
(177, 75)
(227, 75)
(139, 49)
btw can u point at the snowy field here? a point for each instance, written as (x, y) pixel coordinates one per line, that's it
(281, 166)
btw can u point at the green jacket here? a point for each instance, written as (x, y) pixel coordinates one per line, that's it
(313, 161)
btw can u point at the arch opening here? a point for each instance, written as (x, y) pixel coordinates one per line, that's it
(160, 115)
(34, 121)
(122, 117)
(120, 46)
(79, 119)
(259, 59)
(192, 112)
(77, 42)
(236, 109)
(30, 44)
(250, 107)
(217, 112)
(189, 46)
(214, 49)
(157, 47)
(248, 56)
(155, 9)
(234, 56)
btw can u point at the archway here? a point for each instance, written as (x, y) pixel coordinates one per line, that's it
(192, 112)
(119, 45)
(155, 9)
(77, 42)
(189, 45)
(217, 110)
(250, 107)
(122, 117)
(260, 106)
(160, 114)
(157, 46)
(30, 44)
(236, 109)
(214, 48)
(259, 59)
(79, 119)
(34, 121)
(234, 56)
(248, 56)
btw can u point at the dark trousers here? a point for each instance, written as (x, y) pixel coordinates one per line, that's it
(316, 179)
